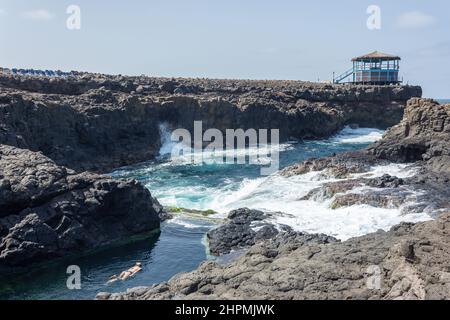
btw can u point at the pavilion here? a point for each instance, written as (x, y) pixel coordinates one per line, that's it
(375, 68)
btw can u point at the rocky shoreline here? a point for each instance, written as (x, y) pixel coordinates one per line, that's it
(411, 261)
(58, 135)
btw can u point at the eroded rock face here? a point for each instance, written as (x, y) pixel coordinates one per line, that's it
(48, 211)
(412, 262)
(99, 122)
(422, 135)
(97, 131)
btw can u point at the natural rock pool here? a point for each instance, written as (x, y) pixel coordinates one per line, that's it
(180, 246)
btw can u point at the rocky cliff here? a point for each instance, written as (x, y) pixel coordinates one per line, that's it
(96, 131)
(48, 211)
(422, 135)
(99, 122)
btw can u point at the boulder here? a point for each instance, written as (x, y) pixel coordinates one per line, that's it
(244, 228)
(48, 211)
(422, 135)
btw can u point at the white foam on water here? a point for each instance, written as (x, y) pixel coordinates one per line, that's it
(282, 194)
(399, 170)
(276, 193)
(253, 154)
(167, 144)
(223, 200)
(358, 135)
(259, 155)
(179, 220)
(346, 136)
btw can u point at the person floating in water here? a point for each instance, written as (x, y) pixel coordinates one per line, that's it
(124, 275)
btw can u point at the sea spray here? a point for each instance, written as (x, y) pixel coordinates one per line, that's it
(167, 144)
(212, 146)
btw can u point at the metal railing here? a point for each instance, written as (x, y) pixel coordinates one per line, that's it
(343, 76)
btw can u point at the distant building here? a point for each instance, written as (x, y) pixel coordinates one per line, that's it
(375, 68)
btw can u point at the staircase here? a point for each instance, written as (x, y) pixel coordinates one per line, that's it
(343, 76)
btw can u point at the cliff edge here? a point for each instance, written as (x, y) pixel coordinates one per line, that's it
(99, 122)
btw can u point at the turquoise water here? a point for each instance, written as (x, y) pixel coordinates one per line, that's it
(443, 101)
(220, 186)
(180, 245)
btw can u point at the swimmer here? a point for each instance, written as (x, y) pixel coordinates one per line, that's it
(126, 274)
(131, 272)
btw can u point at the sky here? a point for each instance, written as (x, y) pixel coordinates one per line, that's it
(245, 39)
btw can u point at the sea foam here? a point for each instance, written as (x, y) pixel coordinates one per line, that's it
(280, 194)
(182, 186)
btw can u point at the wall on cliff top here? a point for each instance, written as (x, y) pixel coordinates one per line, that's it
(269, 89)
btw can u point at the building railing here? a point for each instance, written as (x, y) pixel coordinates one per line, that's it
(376, 69)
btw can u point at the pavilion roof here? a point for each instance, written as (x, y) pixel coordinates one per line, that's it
(377, 55)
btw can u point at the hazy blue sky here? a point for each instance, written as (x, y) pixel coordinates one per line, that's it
(305, 40)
